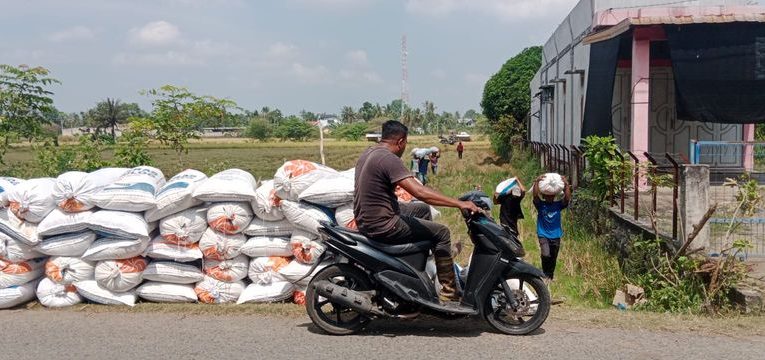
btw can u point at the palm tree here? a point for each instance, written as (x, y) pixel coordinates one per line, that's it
(348, 115)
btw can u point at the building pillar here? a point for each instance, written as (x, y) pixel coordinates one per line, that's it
(748, 150)
(640, 85)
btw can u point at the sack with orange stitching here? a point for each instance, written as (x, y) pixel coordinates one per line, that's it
(306, 217)
(212, 291)
(227, 270)
(17, 295)
(220, 246)
(295, 176)
(185, 227)
(294, 271)
(229, 217)
(32, 200)
(266, 204)
(345, 216)
(21, 272)
(264, 293)
(90, 290)
(120, 275)
(14, 250)
(175, 195)
(227, 185)
(6, 185)
(74, 190)
(305, 247)
(162, 250)
(56, 295)
(67, 270)
(264, 270)
(17, 229)
(267, 246)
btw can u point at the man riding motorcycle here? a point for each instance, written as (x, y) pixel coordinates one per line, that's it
(378, 215)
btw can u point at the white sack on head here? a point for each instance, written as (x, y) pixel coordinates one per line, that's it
(134, 191)
(229, 217)
(120, 224)
(74, 244)
(266, 204)
(227, 270)
(185, 227)
(59, 222)
(163, 250)
(331, 192)
(212, 291)
(552, 184)
(175, 196)
(422, 152)
(67, 270)
(166, 293)
(227, 185)
(56, 295)
(264, 270)
(14, 250)
(305, 247)
(294, 176)
(267, 246)
(295, 270)
(259, 227)
(220, 246)
(74, 190)
(306, 217)
(17, 229)
(6, 185)
(508, 187)
(264, 293)
(115, 248)
(345, 217)
(17, 295)
(32, 200)
(20, 272)
(120, 275)
(90, 290)
(173, 272)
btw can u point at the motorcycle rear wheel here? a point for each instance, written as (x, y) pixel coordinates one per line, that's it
(533, 300)
(336, 319)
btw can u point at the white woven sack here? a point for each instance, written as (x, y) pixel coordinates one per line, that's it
(305, 247)
(295, 270)
(264, 270)
(51, 294)
(17, 229)
(74, 190)
(161, 250)
(294, 176)
(175, 196)
(350, 173)
(422, 152)
(227, 185)
(508, 187)
(264, 293)
(227, 270)
(305, 217)
(166, 293)
(32, 200)
(219, 246)
(172, 272)
(212, 291)
(345, 217)
(266, 204)
(67, 270)
(90, 290)
(20, 272)
(115, 248)
(185, 227)
(120, 275)
(17, 295)
(229, 217)
(120, 224)
(6, 185)
(331, 192)
(134, 191)
(434, 213)
(14, 250)
(59, 222)
(259, 227)
(74, 244)
(551, 184)
(267, 246)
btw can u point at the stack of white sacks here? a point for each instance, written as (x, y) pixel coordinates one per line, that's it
(114, 235)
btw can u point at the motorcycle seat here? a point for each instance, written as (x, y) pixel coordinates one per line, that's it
(390, 249)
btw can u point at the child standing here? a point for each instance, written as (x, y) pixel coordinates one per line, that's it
(549, 230)
(434, 162)
(509, 200)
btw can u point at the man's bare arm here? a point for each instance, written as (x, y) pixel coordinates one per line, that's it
(433, 197)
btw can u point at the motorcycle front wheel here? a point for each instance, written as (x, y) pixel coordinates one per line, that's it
(532, 305)
(333, 318)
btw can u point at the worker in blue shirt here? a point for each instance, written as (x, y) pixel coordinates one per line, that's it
(549, 230)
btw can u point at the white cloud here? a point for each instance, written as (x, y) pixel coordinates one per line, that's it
(310, 74)
(282, 51)
(357, 57)
(353, 77)
(73, 33)
(167, 58)
(156, 33)
(503, 9)
(476, 79)
(439, 74)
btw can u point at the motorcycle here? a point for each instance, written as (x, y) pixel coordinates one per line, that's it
(374, 280)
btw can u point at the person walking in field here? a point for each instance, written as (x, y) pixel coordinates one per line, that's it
(549, 230)
(415, 168)
(424, 170)
(434, 162)
(509, 200)
(460, 149)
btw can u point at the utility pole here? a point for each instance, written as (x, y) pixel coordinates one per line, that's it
(404, 77)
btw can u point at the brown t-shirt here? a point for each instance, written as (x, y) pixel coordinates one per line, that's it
(374, 201)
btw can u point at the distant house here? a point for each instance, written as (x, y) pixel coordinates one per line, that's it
(211, 132)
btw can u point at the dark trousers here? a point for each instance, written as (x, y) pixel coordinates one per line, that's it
(410, 229)
(548, 249)
(416, 209)
(459, 154)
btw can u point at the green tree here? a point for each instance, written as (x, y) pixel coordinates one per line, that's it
(259, 128)
(431, 119)
(24, 102)
(471, 114)
(295, 129)
(348, 115)
(507, 92)
(109, 113)
(394, 109)
(367, 111)
(131, 150)
(308, 116)
(351, 132)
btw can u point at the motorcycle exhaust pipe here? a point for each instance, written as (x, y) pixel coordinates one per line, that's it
(346, 297)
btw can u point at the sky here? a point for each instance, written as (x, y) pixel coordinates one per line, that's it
(313, 55)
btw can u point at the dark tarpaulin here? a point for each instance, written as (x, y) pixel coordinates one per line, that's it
(719, 71)
(600, 87)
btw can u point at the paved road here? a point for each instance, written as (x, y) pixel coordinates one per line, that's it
(80, 335)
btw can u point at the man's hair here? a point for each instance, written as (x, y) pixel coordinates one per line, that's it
(393, 129)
